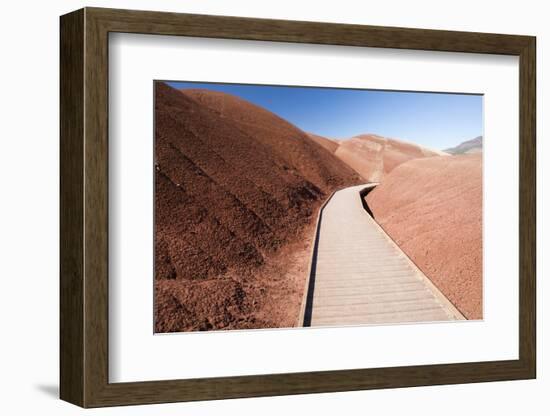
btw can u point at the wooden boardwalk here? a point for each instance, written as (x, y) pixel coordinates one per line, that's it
(360, 276)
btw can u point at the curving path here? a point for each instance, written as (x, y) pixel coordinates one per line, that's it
(360, 276)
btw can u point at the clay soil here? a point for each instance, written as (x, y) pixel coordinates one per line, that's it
(237, 190)
(432, 208)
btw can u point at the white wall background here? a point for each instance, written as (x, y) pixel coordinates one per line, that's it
(29, 210)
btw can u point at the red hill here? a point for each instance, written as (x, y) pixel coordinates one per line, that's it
(432, 208)
(375, 156)
(284, 140)
(237, 191)
(328, 144)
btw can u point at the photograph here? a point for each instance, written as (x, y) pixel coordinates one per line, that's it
(254, 204)
(292, 206)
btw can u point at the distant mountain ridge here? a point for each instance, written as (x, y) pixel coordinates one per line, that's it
(470, 146)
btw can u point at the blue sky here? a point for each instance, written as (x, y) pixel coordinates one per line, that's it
(434, 120)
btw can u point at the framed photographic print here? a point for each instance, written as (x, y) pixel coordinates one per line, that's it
(255, 207)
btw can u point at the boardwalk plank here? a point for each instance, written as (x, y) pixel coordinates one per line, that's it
(360, 276)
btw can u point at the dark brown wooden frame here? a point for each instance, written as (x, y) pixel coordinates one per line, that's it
(84, 210)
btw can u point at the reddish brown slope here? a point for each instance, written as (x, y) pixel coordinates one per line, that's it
(328, 144)
(375, 156)
(365, 156)
(285, 141)
(234, 208)
(432, 208)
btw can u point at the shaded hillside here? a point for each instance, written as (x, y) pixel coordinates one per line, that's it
(432, 208)
(374, 156)
(470, 146)
(236, 193)
(328, 144)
